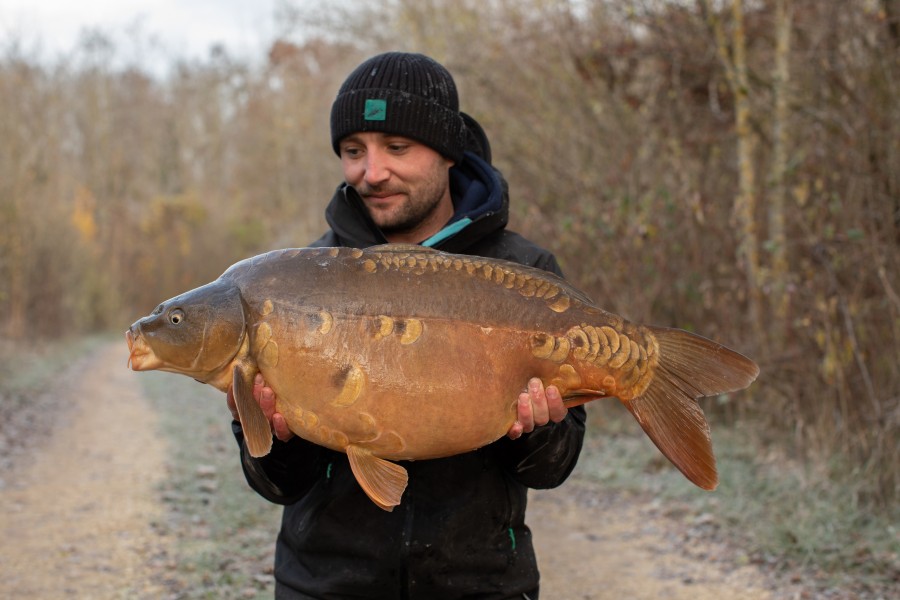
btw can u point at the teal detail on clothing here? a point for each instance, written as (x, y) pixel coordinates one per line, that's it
(448, 231)
(375, 110)
(328, 471)
(512, 537)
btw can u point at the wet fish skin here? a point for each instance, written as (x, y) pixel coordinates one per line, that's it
(400, 352)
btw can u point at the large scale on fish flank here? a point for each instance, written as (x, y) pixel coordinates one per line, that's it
(399, 352)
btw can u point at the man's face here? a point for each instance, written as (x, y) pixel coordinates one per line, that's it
(404, 184)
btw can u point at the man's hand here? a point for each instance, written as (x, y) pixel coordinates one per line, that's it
(537, 407)
(266, 399)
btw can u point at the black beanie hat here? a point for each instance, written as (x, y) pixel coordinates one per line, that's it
(403, 94)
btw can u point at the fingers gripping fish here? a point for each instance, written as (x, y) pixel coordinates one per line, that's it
(363, 349)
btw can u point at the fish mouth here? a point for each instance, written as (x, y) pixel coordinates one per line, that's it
(140, 355)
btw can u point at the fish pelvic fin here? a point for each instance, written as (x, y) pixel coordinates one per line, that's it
(257, 431)
(689, 367)
(383, 481)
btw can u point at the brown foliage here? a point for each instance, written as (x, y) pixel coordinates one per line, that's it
(615, 123)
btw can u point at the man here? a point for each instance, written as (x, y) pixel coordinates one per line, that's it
(416, 171)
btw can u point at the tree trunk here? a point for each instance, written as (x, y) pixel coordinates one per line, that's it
(15, 324)
(780, 270)
(744, 209)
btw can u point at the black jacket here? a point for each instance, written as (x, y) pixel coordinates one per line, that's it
(460, 530)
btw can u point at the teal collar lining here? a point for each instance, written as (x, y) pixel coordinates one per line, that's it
(448, 231)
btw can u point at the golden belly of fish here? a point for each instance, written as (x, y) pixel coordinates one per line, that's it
(400, 352)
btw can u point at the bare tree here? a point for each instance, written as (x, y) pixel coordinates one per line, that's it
(734, 59)
(780, 268)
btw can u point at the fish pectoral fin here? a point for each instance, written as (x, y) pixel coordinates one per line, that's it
(383, 481)
(257, 431)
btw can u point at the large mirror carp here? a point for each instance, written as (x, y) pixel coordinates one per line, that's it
(405, 353)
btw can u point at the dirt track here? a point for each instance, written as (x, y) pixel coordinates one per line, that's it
(78, 512)
(611, 548)
(78, 516)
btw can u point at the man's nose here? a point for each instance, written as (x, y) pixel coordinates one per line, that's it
(376, 168)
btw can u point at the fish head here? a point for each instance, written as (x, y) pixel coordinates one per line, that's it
(197, 333)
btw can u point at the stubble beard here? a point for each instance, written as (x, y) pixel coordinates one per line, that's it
(419, 206)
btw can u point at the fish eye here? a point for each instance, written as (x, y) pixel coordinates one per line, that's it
(176, 316)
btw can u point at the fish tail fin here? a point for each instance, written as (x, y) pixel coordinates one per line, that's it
(689, 367)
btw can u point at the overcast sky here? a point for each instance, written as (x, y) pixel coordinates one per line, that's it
(184, 28)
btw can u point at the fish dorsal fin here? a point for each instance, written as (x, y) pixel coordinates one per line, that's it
(401, 248)
(257, 431)
(383, 481)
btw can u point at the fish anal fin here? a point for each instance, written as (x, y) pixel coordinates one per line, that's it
(257, 431)
(676, 424)
(383, 481)
(575, 398)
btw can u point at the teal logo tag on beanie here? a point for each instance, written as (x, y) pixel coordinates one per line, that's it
(376, 110)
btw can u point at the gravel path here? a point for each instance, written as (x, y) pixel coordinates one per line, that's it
(591, 545)
(77, 518)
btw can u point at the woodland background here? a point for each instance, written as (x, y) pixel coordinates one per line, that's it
(728, 167)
